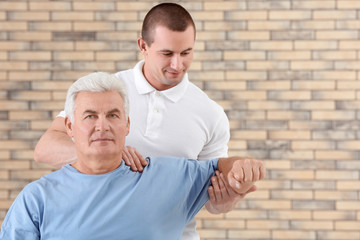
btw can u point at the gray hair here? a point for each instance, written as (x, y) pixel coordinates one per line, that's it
(95, 82)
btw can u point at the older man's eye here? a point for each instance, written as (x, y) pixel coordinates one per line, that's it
(113, 115)
(89, 116)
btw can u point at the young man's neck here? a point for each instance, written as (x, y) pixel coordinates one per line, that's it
(155, 84)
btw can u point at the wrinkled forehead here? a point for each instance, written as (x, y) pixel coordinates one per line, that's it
(98, 101)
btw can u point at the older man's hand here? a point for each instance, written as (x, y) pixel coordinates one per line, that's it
(242, 173)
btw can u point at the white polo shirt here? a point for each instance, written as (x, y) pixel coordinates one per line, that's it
(181, 121)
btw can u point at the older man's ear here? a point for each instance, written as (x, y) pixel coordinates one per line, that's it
(128, 126)
(68, 126)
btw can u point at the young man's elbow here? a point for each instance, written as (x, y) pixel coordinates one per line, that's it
(38, 155)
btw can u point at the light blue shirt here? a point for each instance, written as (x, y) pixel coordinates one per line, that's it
(156, 204)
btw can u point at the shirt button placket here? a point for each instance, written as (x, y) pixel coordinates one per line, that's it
(157, 95)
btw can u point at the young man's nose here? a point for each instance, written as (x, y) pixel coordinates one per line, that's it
(176, 63)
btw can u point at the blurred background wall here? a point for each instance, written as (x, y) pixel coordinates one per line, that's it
(285, 71)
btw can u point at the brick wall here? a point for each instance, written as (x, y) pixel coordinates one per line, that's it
(285, 71)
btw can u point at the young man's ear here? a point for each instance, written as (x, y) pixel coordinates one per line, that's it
(68, 126)
(142, 45)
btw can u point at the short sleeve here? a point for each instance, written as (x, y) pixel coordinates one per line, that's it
(217, 146)
(61, 114)
(201, 173)
(21, 223)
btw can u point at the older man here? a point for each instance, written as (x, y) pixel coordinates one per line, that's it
(99, 197)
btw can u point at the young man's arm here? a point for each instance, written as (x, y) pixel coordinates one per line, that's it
(223, 195)
(222, 198)
(55, 147)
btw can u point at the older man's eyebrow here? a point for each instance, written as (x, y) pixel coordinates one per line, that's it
(89, 111)
(115, 110)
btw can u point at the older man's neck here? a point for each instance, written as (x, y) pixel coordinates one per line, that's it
(96, 167)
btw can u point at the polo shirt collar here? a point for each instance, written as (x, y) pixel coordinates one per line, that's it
(174, 94)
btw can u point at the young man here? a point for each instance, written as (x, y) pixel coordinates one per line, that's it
(170, 116)
(98, 197)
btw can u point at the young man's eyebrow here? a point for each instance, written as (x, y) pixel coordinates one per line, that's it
(165, 51)
(169, 51)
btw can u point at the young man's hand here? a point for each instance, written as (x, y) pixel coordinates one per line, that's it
(133, 159)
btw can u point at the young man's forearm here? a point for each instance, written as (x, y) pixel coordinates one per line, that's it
(55, 147)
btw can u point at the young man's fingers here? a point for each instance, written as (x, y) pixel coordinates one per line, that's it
(141, 158)
(216, 187)
(135, 158)
(212, 197)
(229, 189)
(223, 185)
(128, 159)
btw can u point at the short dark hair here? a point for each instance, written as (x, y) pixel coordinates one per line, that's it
(170, 15)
